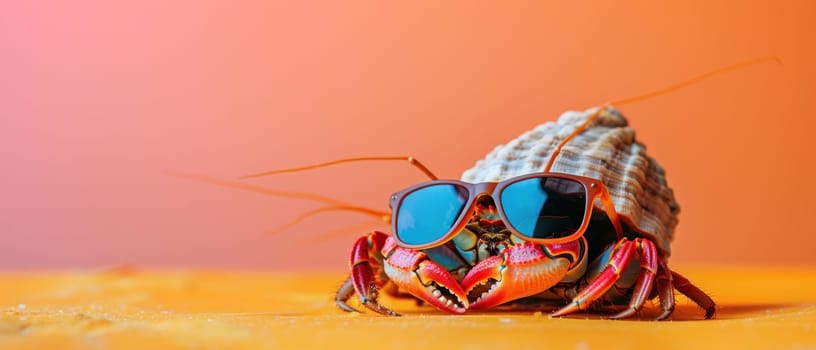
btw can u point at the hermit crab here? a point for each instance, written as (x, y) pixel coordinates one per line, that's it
(571, 212)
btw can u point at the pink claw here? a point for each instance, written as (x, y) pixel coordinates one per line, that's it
(413, 272)
(521, 270)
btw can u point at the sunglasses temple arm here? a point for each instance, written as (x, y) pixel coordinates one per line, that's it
(606, 199)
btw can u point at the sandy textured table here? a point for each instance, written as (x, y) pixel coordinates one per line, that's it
(132, 308)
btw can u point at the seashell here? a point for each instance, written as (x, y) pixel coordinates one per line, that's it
(605, 150)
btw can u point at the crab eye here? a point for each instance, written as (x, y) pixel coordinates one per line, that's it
(545, 207)
(428, 214)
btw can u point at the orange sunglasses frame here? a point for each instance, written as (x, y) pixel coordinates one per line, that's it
(594, 188)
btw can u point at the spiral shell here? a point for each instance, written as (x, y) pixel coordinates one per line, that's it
(605, 150)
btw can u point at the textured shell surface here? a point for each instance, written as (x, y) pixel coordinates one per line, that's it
(606, 150)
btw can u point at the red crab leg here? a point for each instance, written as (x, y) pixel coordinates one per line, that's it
(344, 293)
(643, 286)
(362, 273)
(695, 294)
(610, 274)
(665, 290)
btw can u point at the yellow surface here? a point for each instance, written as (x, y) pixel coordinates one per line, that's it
(131, 308)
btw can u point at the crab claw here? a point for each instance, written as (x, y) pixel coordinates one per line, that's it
(413, 272)
(519, 271)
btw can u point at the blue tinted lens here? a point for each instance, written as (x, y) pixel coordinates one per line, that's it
(545, 207)
(427, 214)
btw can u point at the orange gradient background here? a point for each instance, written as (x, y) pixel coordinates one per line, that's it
(99, 98)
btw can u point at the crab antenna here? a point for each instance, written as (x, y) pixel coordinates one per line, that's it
(574, 133)
(384, 216)
(342, 232)
(651, 94)
(334, 204)
(695, 80)
(261, 190)
(413, 161)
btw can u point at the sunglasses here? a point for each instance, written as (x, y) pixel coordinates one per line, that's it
(541, 207)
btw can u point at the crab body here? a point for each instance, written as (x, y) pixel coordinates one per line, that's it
(484, 265)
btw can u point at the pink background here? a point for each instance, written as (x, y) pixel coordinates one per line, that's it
(98, 98)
